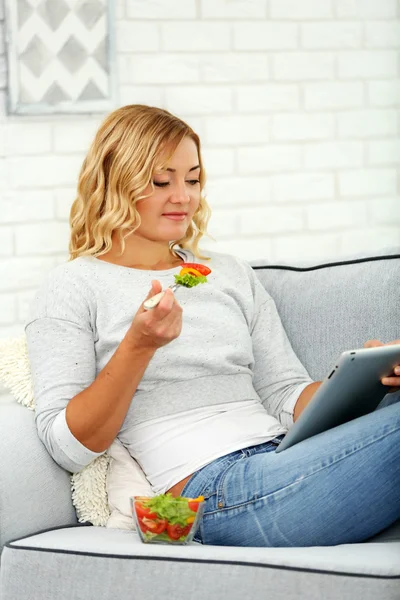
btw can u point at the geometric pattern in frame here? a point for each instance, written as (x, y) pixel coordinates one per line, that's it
(61, 56)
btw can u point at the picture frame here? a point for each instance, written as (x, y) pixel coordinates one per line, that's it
(61, 56)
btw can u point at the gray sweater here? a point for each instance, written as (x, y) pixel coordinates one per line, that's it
(232, 347)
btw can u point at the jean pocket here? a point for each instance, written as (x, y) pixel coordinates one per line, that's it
(220, 482)
(205, 481)
(196, 487)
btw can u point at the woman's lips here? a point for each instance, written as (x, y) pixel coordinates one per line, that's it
(175, 217)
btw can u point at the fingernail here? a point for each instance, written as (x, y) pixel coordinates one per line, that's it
(397, 370)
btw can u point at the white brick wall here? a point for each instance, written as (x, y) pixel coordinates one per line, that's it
(366, 9)
(297, 105)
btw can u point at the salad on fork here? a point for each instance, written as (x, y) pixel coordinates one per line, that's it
(190, 275)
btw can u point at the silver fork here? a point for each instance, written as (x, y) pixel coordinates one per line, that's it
(154, 300)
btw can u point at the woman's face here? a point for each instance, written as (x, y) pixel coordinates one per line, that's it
(176, 190)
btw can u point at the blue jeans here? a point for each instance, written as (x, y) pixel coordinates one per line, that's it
(341, 486)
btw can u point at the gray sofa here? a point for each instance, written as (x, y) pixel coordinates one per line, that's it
(47, 555)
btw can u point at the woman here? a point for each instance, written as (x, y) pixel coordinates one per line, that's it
(202, 388)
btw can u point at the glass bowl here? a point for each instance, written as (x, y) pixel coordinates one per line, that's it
(164, 519)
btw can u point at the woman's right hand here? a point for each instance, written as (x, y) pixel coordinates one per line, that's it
(157, 327)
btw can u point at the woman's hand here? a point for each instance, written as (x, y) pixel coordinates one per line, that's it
(152, 329)
(393, 380)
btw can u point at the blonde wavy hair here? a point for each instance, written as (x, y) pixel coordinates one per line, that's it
(129, 144)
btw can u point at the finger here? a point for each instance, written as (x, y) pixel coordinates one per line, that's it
(373, 344)
(165, 305)
(395, 343)
(154, 290)
(393, 381)
(174, 312)
(156, 287)
(150, 293)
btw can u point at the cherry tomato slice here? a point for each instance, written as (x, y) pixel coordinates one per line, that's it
(142, 511)
(142, 526)
(194, 506)
(176, 531)
(155, 526)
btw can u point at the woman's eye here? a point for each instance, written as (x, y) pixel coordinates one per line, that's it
(165, 183)
(161, 183)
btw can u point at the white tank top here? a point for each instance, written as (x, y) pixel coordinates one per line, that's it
(170, 448)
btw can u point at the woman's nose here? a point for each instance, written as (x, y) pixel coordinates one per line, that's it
(179, 193)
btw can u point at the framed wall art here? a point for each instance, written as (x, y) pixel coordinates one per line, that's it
(61, 56)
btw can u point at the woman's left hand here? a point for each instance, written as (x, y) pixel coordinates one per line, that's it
(392, 381)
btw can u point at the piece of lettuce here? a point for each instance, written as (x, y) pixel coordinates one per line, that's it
(175, 510)
(189, 280)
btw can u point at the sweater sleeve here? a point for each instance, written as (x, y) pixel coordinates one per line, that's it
(279, 376)
(61, 353)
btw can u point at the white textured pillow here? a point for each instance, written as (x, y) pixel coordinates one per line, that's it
(114, 473)
(125, 478)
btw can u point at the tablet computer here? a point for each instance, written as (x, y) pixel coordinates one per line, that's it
(352, 389)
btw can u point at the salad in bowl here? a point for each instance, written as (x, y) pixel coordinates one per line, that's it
(164, 519)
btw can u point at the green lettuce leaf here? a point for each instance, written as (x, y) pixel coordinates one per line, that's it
(175, 510)
(189, 280)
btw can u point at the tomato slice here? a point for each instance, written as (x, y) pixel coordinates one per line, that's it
(176, 531)
(194, 503)
(155, 526)
(143, 511)
(202, 268)
(142, 526)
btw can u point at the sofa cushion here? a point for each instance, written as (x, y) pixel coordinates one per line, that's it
(89, 495)
(35, 493)
(95, 563)
(336, 306)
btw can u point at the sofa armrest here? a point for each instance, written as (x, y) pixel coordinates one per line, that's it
(35, 492)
